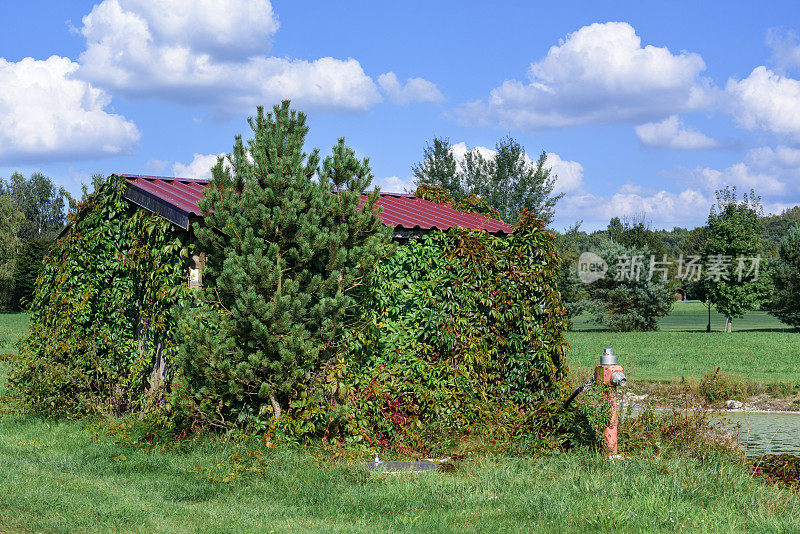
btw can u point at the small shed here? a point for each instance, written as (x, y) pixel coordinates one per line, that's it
(175, 199)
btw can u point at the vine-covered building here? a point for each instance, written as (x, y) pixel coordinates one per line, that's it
(175, 199)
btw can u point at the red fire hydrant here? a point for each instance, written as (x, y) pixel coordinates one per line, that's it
(610, 374)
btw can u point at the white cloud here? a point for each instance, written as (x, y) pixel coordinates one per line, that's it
(740, 175)
(394, 184)
(460, 152)
(785, 49)
(669, 133)
(663, 208)
(570, 173)
(46, 114)
(769, 171)
(766, 101)
(199, 167)
(157, 165)
(598, 74)
(214, 53)
(414, 90)
(220, 28)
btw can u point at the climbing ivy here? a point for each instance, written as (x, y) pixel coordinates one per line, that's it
(101, 308)
(461, 333)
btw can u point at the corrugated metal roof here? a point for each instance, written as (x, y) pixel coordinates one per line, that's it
(399, 210)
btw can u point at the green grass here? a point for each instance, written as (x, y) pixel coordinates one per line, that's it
(12, 326)
(760, 349)
(54, 478)
(692, 316)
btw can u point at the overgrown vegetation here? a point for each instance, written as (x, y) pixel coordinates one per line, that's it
(719, 386)
(462, 334)
(100, 316)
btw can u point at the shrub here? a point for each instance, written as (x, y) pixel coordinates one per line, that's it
(675, 432)
(629, 299)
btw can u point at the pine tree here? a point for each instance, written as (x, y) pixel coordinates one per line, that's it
(27, 268)
(287, 252)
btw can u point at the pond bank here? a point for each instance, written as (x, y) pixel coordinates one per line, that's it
(681, 395)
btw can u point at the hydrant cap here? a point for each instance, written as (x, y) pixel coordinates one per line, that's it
(608, 357)
(618, 379)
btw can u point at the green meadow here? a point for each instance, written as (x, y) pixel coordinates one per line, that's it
(56, 477)
(760, 349)
(75, 476)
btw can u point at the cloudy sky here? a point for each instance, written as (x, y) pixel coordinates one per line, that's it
(641, 109)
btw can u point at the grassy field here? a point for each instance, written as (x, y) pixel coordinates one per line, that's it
(54, 478)
(60, 476)
(760, 348)
(12, 326)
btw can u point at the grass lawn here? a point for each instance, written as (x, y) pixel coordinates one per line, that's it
(760, 348)
(58, 476)
(54, 478)
(12, 326)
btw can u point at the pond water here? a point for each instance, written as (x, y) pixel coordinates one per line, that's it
(762, 432)
(766, 433)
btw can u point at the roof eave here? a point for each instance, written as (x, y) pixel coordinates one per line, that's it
(150, 202)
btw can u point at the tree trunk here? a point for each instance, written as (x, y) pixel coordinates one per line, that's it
(708, 328)
(728, 325)
(276, 407)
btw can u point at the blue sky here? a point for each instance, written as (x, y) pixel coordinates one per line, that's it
(641, 108)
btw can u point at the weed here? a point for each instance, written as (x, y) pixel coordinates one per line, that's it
(717, 386)
(682, 433)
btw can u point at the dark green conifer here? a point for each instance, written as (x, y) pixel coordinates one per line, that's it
(287, 250)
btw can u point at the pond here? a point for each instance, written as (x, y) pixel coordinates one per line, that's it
(761, 432)
(766, 432)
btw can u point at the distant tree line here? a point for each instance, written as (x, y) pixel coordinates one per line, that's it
(506, 183)
(32, 213)
(735, 228)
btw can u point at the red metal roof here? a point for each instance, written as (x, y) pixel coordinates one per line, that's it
(399, 210)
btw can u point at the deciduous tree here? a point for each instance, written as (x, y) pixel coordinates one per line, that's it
(508, 180)
(438, 168)
(731, 252)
